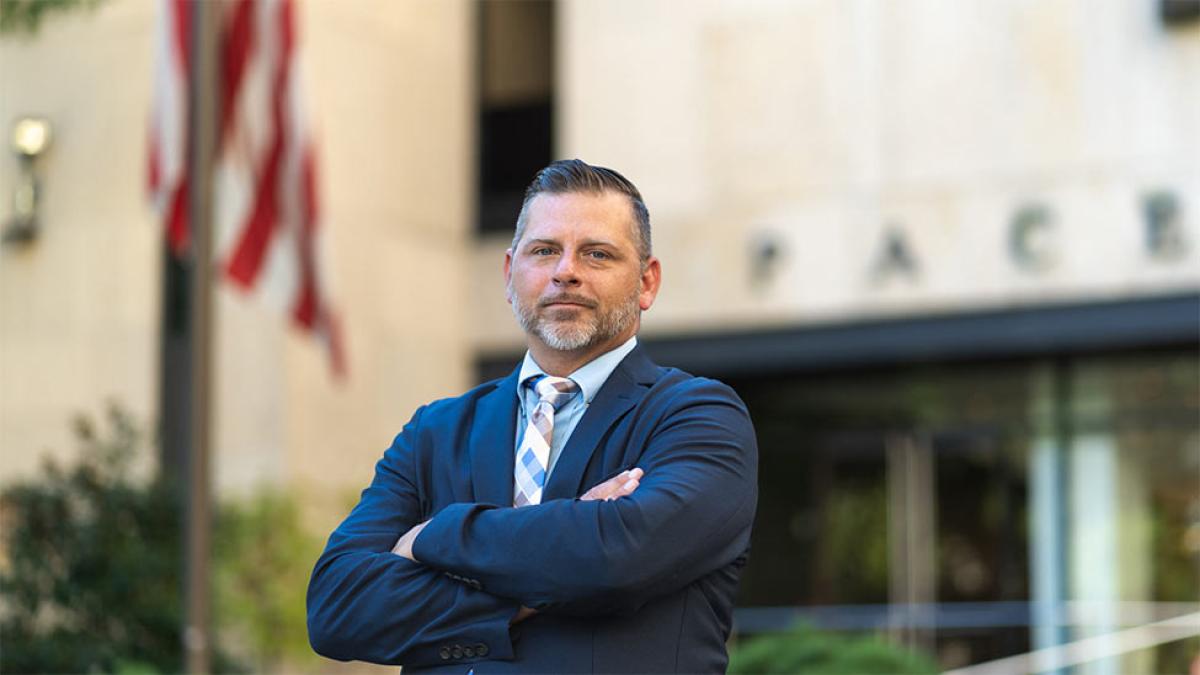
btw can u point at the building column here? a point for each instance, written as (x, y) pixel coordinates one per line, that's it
(1047, 509)
(912, 538)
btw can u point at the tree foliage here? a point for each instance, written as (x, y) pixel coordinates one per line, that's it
(91, 580)
(26, 16)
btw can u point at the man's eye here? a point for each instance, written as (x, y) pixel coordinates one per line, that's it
(543, 250)
(599, 255)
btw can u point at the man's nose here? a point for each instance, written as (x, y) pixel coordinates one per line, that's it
(565, 271)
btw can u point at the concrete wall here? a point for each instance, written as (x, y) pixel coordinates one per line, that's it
(392, 85)
(390, 93)
(823, 127)
(819, 127)
(78, 308)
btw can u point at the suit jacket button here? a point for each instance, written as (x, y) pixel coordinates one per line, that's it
(456, 652)
(444, 652)
(481, 649)
(469, 652)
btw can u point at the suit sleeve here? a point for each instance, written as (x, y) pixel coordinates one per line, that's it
(690, 516)
(366, 603)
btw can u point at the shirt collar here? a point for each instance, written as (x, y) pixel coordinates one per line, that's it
(590, 376)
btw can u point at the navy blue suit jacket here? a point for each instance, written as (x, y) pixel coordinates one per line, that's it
(641, 584)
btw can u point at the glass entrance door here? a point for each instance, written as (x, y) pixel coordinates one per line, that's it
(980, 511)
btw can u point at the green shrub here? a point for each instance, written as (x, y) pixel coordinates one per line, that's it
(263, 559)
(804, 650)
(91, 569)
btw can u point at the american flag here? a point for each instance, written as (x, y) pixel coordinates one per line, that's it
(265, 210)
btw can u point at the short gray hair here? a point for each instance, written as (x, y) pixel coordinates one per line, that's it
(574, 175)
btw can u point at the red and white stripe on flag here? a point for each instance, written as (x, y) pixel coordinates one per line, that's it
(169, 120)
(265, 209)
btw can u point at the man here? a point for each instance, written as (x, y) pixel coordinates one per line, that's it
(589, 513)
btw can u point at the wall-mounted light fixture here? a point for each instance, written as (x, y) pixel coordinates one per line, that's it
(766, 252)
(30, 138)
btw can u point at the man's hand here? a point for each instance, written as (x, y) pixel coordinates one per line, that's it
(620, 485)
(521, 615)
(404, 545)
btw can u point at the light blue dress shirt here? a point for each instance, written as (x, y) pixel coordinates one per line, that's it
(590, 378)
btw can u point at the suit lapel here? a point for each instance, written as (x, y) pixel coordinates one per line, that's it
(626, 386)
(491, 442)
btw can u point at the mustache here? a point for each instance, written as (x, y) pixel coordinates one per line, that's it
(568, 297)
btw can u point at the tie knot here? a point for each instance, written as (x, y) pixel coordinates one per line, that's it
(555, 390)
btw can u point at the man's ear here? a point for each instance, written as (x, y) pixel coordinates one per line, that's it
(651, 280)
(508, 275)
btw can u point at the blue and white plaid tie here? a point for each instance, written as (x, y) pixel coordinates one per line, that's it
(533, 456)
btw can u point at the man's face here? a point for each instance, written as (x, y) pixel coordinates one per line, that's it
(574, 279)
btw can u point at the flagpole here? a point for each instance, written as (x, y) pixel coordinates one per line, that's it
(202, 132)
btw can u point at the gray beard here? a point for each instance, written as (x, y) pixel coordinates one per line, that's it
(588, 331)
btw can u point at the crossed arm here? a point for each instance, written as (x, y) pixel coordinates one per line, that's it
(628, 540)
(620, 485)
